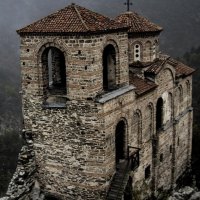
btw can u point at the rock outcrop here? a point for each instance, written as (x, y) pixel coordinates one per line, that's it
(186, 193)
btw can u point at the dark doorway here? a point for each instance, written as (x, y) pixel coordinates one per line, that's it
(54, 70)
(109, 68)
(120, 141)
(159, 114)
(50, 197)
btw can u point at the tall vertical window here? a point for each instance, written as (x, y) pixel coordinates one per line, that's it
(154, 51)
(159, 114)
(148, 172)
(148, 132)
(138, 126)
(54, 71)
(109, 68)
(180, 99)
(137, 52)
(170, 105)
(188, 93)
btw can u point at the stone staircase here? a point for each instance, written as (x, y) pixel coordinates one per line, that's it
(119, 181)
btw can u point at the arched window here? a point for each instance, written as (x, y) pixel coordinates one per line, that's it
(149, 123)
(109, 68)
(170, 104)
(159, 114)
(54, 71)
(180, 99)
(138, 126)
(180, 94)
(154, 50)
(188, 93)
(137, 52)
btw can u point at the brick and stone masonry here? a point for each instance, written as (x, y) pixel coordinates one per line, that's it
(93, 94)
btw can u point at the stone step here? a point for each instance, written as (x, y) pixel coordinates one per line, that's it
(114, 197)
(119, 182)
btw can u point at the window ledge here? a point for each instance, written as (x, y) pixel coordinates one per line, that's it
(54, 105)
(116, 93)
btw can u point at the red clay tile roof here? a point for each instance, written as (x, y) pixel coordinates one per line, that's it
(137, 23)
(142, 85)
(181, 69)
(156, 67)
(73, 19)
(139, 64)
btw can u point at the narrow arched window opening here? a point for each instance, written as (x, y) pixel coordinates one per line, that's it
(54, 71)
(154, 51)
(50, 68)
(180, 93)
(159, 114)
(170, 108)
(180, 99)
(149, 122)
(188, 93)
(109, 68)
(138, 126)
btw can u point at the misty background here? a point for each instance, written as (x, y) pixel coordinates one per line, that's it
(180, 39)
(180, 19)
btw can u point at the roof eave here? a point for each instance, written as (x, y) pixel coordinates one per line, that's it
(22, 33)
(145, 32)
(147, 91)
(185, 75)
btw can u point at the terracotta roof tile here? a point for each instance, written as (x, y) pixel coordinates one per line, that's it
(142, 85)
(155, 67)
(181, 69)
(73, 19)
(137, 23)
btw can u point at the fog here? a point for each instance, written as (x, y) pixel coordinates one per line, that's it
(180, 19)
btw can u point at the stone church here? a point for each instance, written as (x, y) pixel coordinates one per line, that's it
(106, 115)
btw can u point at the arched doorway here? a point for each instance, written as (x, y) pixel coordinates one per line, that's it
(109, 68)
(120, 143)
(54, 71)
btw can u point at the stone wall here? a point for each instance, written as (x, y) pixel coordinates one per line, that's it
(83, 60)
(165, 164)
(149, 48)
(24, 177)
(68, 141)
(74, 132)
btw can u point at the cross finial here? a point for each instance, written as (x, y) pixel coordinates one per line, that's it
(128, 4)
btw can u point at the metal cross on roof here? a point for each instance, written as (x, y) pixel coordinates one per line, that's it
(128, 4)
